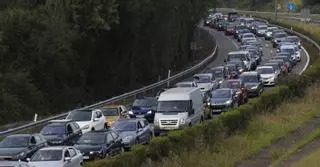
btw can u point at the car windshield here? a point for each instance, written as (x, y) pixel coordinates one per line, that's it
(47, 155)
(92, 139)
(144, 102)
(280, 35)
(80, 115)
(123, 126)
(230, 84)
(110, 111)
(249, 78)
(292, 39)
(202, 79)
(262, 28)
(236, 56)
(174, 106)
(265, 70)
(217, 73)
(284, 54)
(221, 94)
(183, 85)
(289, 50)
(15, 142)
(275, 66)
(53, 130)
(248, 36)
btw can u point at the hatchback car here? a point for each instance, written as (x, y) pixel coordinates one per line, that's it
(114, 112)
(239, 87)
(134, 131)
(144, 107)
(223, 99)
(253, 83)
(58, 156)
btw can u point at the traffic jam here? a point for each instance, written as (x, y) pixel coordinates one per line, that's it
(92, 134)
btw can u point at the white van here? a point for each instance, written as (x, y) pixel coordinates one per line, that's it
(178, 108)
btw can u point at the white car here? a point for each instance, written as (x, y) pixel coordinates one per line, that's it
(247, 36)
(293, 49)
(205, 81)
(261, 29)
(186, 84)
(88, 120)
(243, 56)
(60, 156)
(268, 75)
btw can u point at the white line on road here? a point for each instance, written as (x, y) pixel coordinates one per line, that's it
(308, 60)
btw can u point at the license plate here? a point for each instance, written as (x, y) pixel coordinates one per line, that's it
(139, 116)
(216, 110)
(85, 157)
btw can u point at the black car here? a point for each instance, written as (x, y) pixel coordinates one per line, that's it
(252, 82)
(21, 146)
(230, 29)
(99, 144)
(223, 99)
(61, 132)
(144, 108)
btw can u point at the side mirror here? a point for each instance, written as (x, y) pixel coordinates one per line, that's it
(96, 119)
(67, 159)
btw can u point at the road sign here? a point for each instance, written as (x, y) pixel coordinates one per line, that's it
(291, 6)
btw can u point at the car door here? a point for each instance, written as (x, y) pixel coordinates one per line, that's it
(144, 133)
(101, 121)
(140, 132)
(33, 146)
(76, 132)
(117, 141)
(111, 150)
(75, 160)
(66, 154)
(70, 134)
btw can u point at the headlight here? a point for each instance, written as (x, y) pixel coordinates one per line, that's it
(229, 102)
(127, 139)
(149, 112)
(220, 82)
(254, 87)
(86, 127)
(130, 112)
(95, 152)
(182, 121)
(208, 104)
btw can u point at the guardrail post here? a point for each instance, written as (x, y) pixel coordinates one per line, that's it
(169, 75)
(35, 117)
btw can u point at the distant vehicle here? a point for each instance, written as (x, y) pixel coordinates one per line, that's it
(14, 164)
(186, 85)
(232, 71)
(144, 107)
(255, 55)
(238, 35)
(261, 29)
(253, 83)
(205, 81)
(238, 86)
(268, 75)
(88, 120)
(232, 16)
(230, 29)
(219, 73)
(61, 132)
(284, 68)
(21, 146)
(133, 131)
(293, 39)
(114, 112)
(278, 37)
(178, 108)
(248, 21)
(58, 156)
(268, 33)
(240, 64)
(223, 99)
(286, 60)
(99, 144)
(294, 49)
(276, 67)
(243, 56)
(247, 36)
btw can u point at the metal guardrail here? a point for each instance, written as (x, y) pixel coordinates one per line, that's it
(159, 84)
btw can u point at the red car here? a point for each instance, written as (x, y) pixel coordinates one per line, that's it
(239, 87)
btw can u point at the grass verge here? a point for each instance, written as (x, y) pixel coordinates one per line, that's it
(260, 133)
(311, 160)
(296, 147)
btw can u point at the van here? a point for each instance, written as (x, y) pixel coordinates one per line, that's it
(178, 108)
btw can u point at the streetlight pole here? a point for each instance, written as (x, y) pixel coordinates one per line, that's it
(275, 9)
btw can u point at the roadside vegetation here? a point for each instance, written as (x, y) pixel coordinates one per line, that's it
(261, 131)
(61, 54)
(311, 160)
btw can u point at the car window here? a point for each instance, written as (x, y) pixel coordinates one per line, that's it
(69, 128)
(33, 140)
(114, 135)
(66, 154)
(109, 138)
(72, 152)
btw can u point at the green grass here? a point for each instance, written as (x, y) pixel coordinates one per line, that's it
(260, 133)
(311, 160)
(296, 147)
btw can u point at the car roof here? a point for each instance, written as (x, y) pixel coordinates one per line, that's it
(249, 73)
(61, 121)
(55, 148)
(264, 66)
(131, 120)
(288, 46)
(233, 80)
(204, 74)
(186, 82)
(238, 52)
(217, 67)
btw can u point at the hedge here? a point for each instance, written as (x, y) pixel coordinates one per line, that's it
(229, 122)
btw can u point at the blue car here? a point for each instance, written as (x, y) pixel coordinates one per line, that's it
(144, 108)
(133, 131)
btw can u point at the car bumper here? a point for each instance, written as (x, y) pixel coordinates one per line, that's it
(269, 82)
(219, 108)
(91, 157)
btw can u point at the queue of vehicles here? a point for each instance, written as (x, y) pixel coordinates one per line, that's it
(93, 134)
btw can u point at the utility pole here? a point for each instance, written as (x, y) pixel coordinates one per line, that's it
(275, 9)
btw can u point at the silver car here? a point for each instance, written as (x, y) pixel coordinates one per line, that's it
(59, 156)
(14, 164)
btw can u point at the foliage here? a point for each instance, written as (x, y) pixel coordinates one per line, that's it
(70, 52)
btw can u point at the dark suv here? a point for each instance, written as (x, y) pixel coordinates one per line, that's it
(21, 146)
(61, 132)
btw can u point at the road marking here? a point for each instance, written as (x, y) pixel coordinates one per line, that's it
(308, 60)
